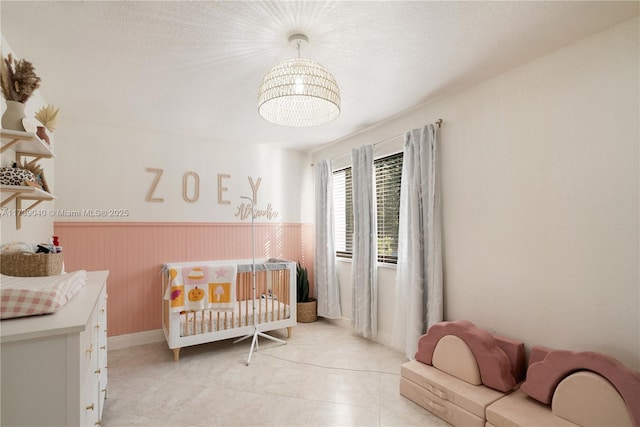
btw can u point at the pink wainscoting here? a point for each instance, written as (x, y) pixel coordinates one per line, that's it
(135, 252)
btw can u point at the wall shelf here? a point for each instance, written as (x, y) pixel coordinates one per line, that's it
(21, 193)
(24, 192)
(25, 144)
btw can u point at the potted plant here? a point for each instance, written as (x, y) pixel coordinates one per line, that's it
(306, 307)
(18, 80)
(48, 117)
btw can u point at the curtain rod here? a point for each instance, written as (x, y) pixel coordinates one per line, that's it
(437, 123)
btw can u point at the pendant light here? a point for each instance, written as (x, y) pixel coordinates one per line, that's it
(299, 92)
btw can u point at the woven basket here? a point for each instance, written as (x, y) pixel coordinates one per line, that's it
(27, 264)
(307, 312)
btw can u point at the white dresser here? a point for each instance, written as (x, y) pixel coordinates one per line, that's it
(54, 367)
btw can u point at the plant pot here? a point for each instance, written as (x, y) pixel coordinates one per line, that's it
(307, 312)
(13, 115)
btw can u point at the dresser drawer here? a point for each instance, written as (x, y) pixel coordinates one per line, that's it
(89, 346)
(90, 401)
(102, 352)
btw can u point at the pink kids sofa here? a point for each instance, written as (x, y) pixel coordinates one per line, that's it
(566, 388)
(470, 377)
(460, 370)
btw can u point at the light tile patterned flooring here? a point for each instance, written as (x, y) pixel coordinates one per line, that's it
(324, 376)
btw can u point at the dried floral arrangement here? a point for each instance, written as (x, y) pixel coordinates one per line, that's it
(48, 116)
(37, 171)
(18, 79)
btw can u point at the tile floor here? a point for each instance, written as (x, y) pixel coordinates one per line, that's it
(324, 376)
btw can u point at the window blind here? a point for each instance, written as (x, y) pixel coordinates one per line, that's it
(343, 212)
(388, 172)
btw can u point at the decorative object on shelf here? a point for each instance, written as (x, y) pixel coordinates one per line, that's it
(42, 134)
(16, 176)
(29, 126)
(306, 307)
(37, 172)
(48, 116)
(13, 116)
(299, 92)
(18, 80)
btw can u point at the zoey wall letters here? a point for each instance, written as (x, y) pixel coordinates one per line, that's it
(191, 193)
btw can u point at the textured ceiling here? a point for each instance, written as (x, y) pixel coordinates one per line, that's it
(193, 68)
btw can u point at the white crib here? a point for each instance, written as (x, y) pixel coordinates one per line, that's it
(273, 307)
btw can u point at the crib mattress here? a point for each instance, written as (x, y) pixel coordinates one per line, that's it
(205, 321)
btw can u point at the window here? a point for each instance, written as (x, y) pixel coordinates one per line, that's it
(388, 171)
(343, 212)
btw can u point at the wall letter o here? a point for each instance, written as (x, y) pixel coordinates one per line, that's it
(196, 192)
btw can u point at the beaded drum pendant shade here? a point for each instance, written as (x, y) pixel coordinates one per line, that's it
(299, 92)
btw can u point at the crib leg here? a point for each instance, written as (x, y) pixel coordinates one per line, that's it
(288, 331)
(176, 354)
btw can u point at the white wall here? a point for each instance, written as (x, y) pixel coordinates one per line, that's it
(540, 191)
(34, 229)
(104, 168)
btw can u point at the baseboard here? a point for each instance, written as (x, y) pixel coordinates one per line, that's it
(156, 335)
(382, 337)
(137, 338)
(343, 322)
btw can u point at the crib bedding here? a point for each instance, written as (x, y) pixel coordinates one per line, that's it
(28, 296)
(205, 321)
(201, 286)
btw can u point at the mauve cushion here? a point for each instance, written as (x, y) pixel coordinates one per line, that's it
(500, 370)
(548, 367)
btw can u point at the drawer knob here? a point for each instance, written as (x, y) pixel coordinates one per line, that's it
(90, 407)
(97, 372)
(90, 350)
(97, 326)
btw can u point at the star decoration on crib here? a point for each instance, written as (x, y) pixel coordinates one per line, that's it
(220, 273)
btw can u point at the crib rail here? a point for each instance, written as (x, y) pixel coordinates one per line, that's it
(271, 306)
(272, 302)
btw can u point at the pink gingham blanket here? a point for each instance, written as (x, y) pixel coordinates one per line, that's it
(27, 296)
